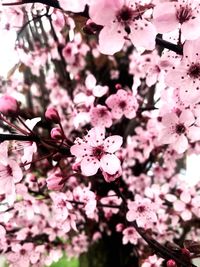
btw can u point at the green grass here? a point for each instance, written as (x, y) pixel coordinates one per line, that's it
(63, 262)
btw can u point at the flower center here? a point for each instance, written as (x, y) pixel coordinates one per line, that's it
(98, 152)
(125, 14)
(194, 71)
(183, 14)
(22, 251)
(141, 209)
(122, 104)
(180, 129)
(102, 112)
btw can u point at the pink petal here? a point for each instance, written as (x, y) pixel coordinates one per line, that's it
(111, 39)
(190, 29)
(170, 119)
(187, 117)
(181, 144)
(79, 150)
(186, 215)
(110, 163)
(103, 12)
(164, 17)
(143, 33)
(130, 216)
(99, 90)
(90, 81)
(95, 136)
(89, 166)
(185, 197)
(174, 77)
(194, 133)
(113, 143)
(190, 49)
(179, 205)
(16, 171)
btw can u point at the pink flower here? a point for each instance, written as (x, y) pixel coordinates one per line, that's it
(94, 152)
(169, 15)
(186, 74)
(61, 207)
(187, 205)
(122, 103)
(177, 129)
(142, 211)
(130, 235)
(122, 19)
(20, 255)
(10, 172)
(152, 261)
(100, 116)
(88, 197)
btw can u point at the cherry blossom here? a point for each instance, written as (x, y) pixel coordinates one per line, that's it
(95, 151)
(122, 103)
(186, 74)
(142, 211)
(100, 116)
(152, 261)
(177, 130)
(121, 20)
(169, 15)
(88, 197)
(130, 235)
(10, 172)
(20, 255)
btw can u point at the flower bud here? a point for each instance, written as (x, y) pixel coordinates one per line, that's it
(9, 106)
(51, 114)
(171, 263)
(119, 227)
(118, 86)
(56, 133)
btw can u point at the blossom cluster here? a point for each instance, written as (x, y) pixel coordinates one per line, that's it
(96, 122)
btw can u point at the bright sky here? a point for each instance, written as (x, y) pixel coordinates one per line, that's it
(8, 57)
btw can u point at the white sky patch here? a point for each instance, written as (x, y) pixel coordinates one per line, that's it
(8, 55)
(193, 169)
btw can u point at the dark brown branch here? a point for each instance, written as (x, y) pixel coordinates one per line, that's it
(18, 137)
(165, 44)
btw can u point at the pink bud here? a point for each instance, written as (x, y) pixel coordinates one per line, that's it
(56, 133)
(9, 106)
(119, 227)
(51, 114)
(171, 263)
(118, 86)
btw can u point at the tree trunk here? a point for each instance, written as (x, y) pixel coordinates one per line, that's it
(109, 252)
